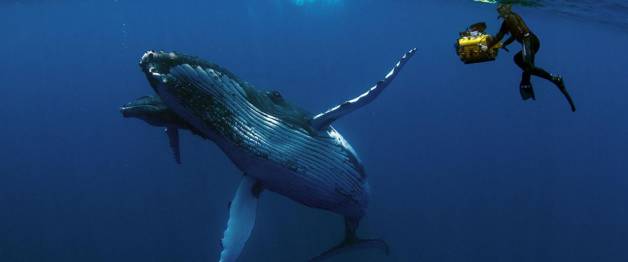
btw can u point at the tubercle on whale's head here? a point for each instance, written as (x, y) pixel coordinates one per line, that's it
(156, 66)
(157, 62)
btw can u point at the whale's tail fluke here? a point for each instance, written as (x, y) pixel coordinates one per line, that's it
(353, 245)
(352, 242)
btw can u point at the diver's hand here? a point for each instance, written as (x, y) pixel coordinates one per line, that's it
(483, 47)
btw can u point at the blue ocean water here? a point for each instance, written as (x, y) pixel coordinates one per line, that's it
(461, 169)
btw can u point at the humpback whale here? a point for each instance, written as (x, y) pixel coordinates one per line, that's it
(154, 112)
(278, 146)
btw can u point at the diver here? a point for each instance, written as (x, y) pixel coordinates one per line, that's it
(514, 25)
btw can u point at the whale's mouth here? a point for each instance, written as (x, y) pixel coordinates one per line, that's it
(137, 111)
(128, 111)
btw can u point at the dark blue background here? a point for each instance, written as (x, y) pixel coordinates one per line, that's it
(461, 169)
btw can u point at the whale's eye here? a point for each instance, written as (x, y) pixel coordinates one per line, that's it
(275, 96)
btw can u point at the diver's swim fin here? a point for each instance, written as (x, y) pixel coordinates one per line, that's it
(352, 242)
(526, 92)
(560, 83)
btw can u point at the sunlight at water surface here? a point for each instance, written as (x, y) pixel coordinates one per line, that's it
(309, 2)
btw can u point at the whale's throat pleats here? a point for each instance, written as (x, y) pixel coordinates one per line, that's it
(267, 128)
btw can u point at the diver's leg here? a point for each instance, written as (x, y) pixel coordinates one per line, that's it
(557, 80)
(531, 46)
(540, 72)
(352, 241)
(525, 86)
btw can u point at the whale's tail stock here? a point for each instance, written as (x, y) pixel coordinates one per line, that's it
(352, 242)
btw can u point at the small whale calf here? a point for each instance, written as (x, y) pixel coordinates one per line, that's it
(278, 146)
(154, 112)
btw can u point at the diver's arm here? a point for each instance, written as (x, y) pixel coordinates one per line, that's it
(500, 35)
(508, 42)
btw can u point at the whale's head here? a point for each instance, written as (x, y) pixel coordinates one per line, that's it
(210, 97)
(151, 110)
(180, 76)
(156, 65)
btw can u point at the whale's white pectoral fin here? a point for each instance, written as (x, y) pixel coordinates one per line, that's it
(323, 120)
(241, 219)
(173, 138)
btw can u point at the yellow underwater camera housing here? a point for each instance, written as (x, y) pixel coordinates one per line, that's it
(469, 45)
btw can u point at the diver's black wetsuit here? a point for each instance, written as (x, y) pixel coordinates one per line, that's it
(515, 26)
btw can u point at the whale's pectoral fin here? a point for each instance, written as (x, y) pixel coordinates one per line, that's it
(173, 138)
(352, 242)
(241, 219)
(323, 120)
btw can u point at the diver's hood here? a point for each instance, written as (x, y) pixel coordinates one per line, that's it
(504, 10)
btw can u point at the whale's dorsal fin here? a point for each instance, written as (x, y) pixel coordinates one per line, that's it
(241, 219)
(323, 120)
(173, 138)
